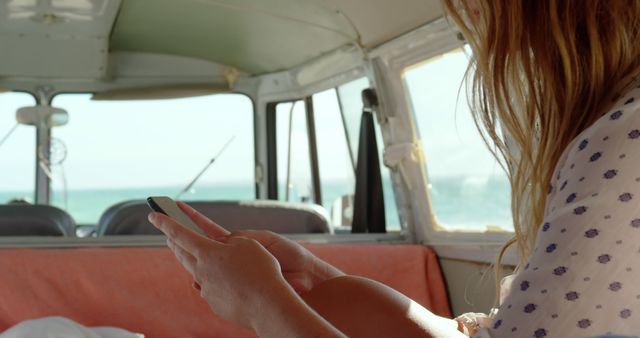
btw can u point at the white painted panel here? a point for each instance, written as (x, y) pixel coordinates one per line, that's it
(55, 38)
(379, 21)
(471, 285)
(58, 17)
(132, 64)
(46, 56)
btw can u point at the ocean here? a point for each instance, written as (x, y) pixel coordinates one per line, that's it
(459, 203)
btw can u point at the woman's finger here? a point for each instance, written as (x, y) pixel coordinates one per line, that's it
(266, 238)
(211, 228)
(186, 238)
(186, 259)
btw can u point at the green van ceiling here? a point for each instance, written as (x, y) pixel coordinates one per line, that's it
(253, 36)
(262, 36)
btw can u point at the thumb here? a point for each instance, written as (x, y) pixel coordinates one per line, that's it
(231, 239)
(223, 238)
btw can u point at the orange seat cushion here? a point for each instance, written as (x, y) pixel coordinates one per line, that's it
(145, 290)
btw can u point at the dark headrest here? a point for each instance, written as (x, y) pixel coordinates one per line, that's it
(130, 218)
(35, 220)
(127, 218)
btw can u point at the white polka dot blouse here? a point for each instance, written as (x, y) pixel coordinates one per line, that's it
(583, 279)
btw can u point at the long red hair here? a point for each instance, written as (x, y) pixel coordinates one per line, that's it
(542, 72)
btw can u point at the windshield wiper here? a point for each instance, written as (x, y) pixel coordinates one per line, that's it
(9, 134)
(195, 179)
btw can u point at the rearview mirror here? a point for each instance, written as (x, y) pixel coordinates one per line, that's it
(42, 116)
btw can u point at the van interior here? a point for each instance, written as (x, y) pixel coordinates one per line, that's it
(341, 124)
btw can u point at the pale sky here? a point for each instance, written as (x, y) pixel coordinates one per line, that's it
(452, 144)
(115, 144)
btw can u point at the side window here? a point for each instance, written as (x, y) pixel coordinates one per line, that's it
(294, 164)
(465, 197)
(350, 97)
(337, 175)
(336, 170)
(17, 150)
(337, 114)
(124, 150)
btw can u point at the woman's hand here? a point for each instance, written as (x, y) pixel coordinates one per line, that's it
(238, 278)
(242, 281)
(300, 268)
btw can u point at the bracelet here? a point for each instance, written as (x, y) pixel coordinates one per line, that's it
(467, 325)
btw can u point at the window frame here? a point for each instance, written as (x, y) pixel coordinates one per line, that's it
(272, 159)
(440, 226)
(47, 191)
(390, 61)
(36, 100)
(268, 88)
(272, 148)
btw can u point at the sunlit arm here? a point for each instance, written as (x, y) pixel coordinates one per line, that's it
(361, 307)
(285, 314)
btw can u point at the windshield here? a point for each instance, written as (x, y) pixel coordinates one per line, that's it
(17, 150)
(124, 150)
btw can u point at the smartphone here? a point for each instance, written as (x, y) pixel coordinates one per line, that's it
(167, 206)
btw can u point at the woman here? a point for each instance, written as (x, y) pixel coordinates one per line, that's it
(557, 77)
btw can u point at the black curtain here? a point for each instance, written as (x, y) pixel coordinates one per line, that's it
(368, 210)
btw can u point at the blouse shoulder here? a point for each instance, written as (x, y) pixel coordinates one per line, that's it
(582, 278)
(612, 132)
